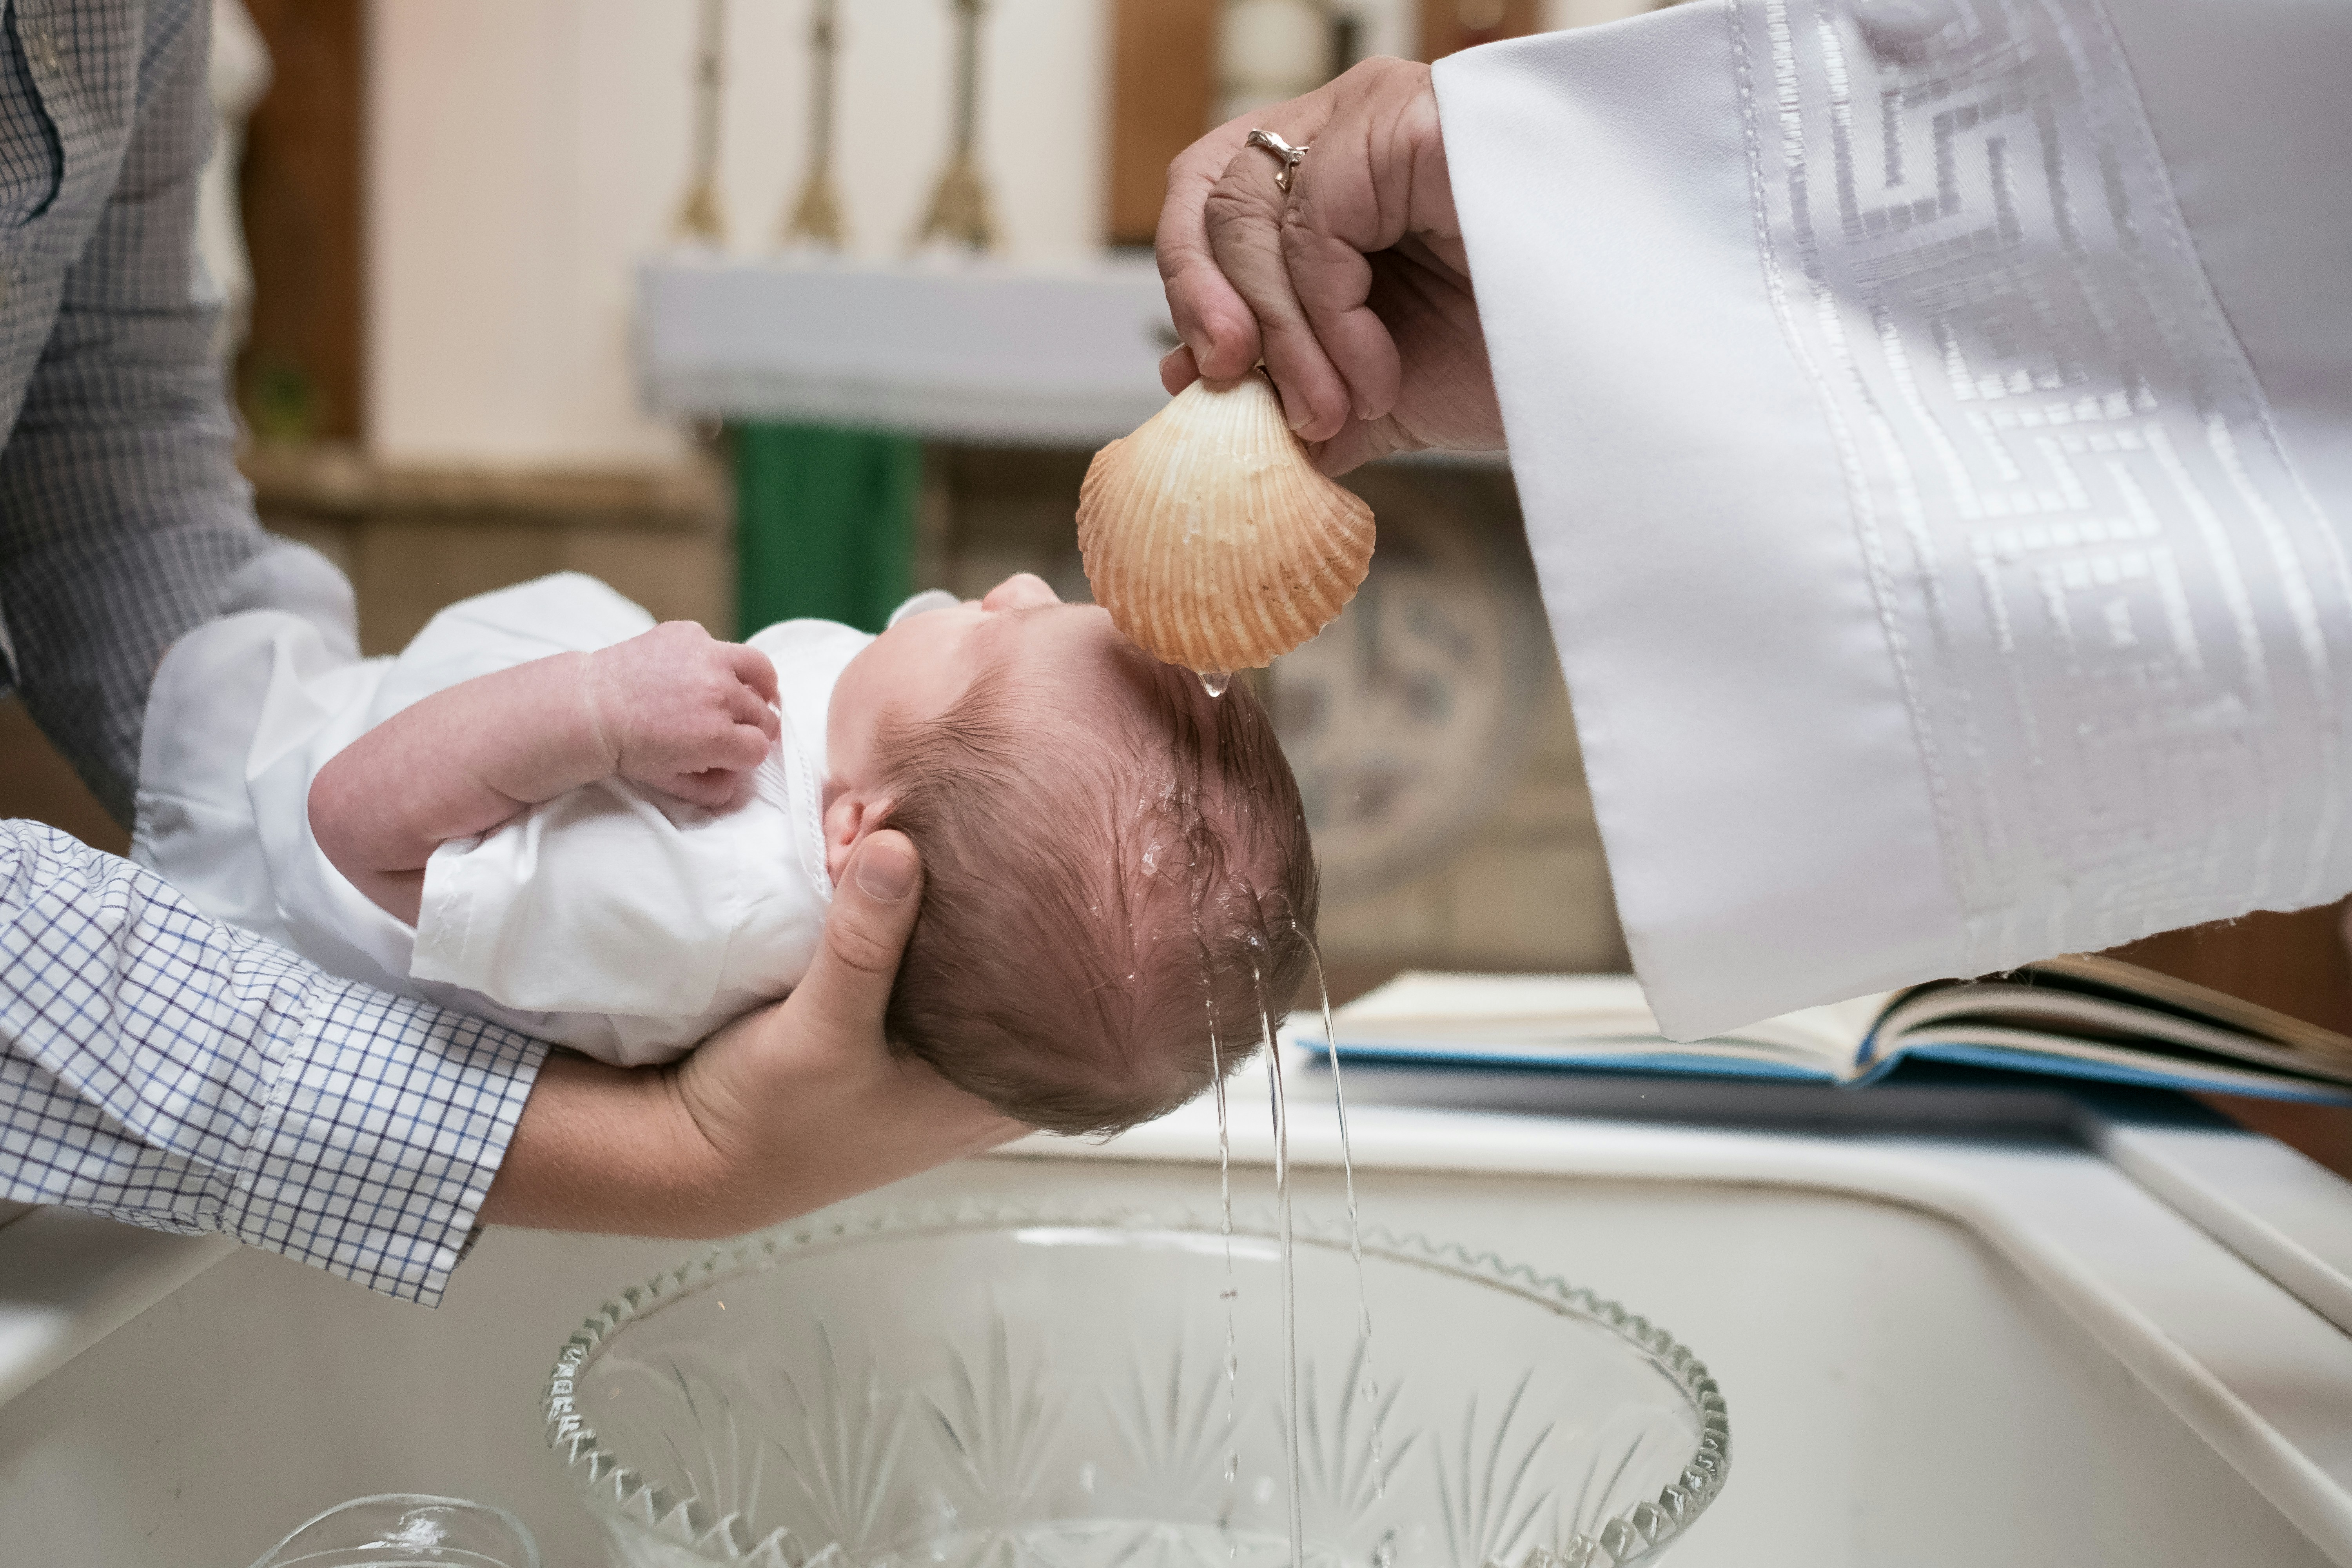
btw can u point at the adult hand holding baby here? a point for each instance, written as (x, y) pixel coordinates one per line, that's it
(788, 1109)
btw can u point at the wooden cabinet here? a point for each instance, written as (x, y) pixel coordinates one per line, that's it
(1163, 83)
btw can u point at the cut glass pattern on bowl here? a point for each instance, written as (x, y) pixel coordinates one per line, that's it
(995, 1388)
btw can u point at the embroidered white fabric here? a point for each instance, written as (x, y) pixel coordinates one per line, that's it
(2117, 614)
(1934, 585)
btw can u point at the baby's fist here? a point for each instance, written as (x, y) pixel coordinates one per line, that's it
(677, 710)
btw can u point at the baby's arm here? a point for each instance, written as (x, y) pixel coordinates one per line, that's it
(673, 709)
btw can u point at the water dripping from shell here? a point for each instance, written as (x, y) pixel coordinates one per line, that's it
(1225, 1203)
(1216, 682)
(1289, 1265)
(1371, 1386)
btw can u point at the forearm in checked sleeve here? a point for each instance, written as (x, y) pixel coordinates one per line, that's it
(162, 1068)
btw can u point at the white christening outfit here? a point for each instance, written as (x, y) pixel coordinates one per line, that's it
(613, 918)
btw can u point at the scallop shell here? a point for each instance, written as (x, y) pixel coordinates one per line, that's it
(1211, 538)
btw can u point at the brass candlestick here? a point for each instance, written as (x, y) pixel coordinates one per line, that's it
(815, 217)
(700, 219)
(960, 207)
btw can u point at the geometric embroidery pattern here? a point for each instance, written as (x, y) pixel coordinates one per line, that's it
(2119, 620)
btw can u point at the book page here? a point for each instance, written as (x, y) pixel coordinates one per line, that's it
(2218, 1007)
(1570, 1017)
(2068, 1024)
(2030, 1051)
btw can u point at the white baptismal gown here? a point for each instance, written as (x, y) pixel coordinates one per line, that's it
(613, 918)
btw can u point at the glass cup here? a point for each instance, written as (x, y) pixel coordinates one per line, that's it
(401, 1531)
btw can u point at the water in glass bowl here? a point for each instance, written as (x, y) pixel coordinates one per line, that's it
(1006, 1387)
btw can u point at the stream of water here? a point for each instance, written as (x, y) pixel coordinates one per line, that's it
(1372, 1388)
(1279, 1106)
(1217, 683)
(1225, 1204)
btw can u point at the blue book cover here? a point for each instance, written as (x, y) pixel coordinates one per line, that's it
(2072, 1017)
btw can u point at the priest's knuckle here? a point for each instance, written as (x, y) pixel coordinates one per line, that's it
(1385, 74)
(1233, 211)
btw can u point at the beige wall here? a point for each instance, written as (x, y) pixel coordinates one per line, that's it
(524, 156)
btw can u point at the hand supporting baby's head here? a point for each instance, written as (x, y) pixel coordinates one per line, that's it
(1114, 863)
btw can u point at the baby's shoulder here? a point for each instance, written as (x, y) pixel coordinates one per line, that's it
(809, 647)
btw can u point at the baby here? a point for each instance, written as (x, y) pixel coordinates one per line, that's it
(548, 811)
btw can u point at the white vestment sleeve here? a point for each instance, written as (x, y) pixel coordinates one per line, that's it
(1928, 419)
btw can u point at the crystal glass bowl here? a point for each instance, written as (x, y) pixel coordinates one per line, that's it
(987, 1388)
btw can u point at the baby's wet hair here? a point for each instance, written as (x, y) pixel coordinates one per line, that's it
(1095, 903)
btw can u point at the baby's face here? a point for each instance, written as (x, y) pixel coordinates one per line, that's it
(915, 671)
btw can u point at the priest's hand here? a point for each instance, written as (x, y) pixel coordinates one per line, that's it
(1352, 287)
(785, 1110)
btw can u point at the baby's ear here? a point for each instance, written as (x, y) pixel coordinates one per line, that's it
(848, 817)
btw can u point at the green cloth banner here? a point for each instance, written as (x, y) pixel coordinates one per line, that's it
(825, 523)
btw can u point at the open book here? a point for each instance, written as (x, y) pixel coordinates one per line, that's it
(2076, 1017)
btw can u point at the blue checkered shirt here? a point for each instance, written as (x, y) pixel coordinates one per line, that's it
(154, 1065)
(164, 1068)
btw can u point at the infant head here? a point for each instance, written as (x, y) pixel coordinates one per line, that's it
(1115, 863)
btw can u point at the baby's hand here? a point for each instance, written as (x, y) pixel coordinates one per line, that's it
(680, 711)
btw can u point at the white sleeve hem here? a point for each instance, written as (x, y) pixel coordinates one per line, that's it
(445, 922)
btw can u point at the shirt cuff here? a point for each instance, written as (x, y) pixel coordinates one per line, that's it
(381, 1136)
